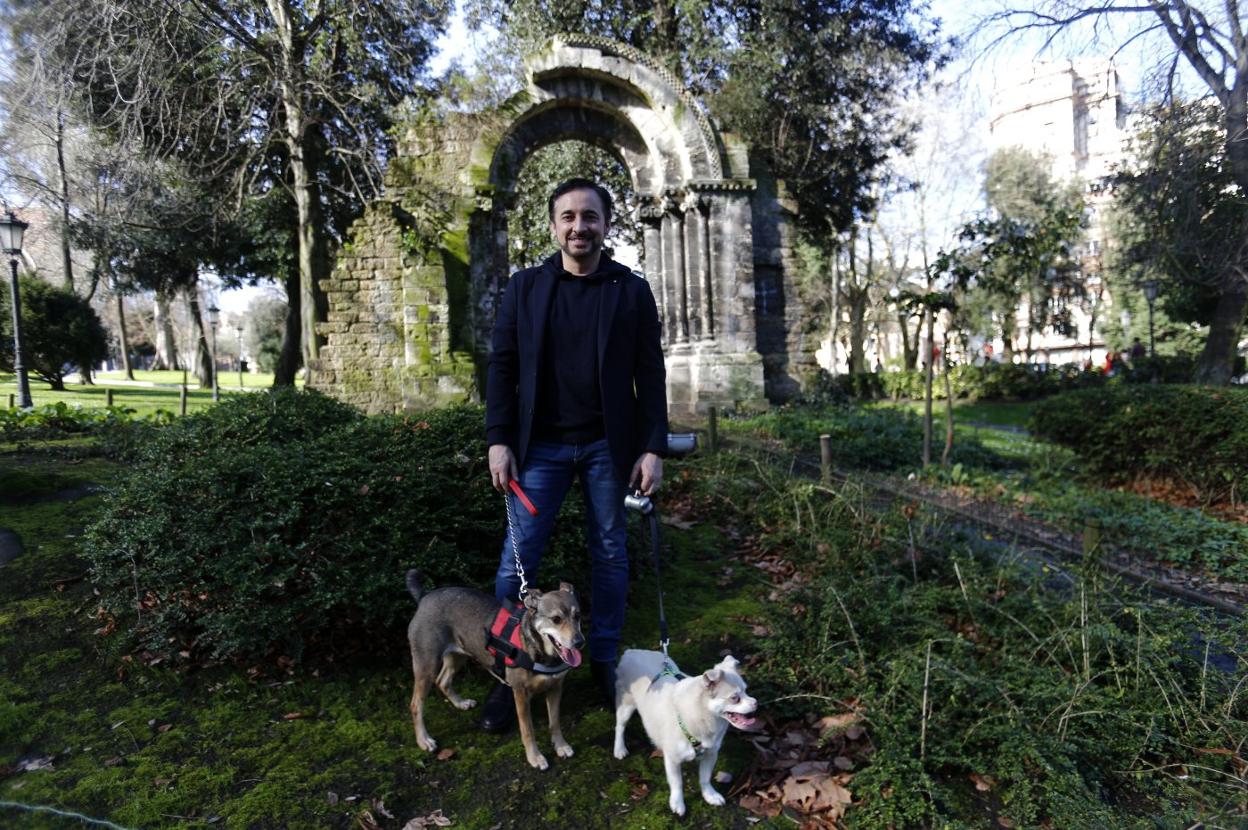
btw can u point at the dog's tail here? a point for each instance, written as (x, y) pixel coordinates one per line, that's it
(413, 584)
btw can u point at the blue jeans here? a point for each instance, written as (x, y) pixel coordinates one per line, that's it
(545, 478)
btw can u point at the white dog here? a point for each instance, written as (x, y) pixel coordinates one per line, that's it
(685, 717)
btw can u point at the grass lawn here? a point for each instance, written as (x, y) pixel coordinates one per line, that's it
(144, 399)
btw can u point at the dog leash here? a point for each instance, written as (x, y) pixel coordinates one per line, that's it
(511, 532)
(677, 445)
(644, 506)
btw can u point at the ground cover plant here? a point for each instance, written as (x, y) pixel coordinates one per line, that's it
(955, 683)
(1042, 480)
(911, 677)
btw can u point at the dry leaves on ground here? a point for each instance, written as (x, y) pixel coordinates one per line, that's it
(434, 819)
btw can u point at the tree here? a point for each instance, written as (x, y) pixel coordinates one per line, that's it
(1182, 219)
(271, 93)
(60, 331)
(1023, 249)
(263, 330)
(811, 85)
(1210, 39)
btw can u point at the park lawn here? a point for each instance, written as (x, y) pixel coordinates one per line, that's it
(228, 380)
(148, 746)
(983, 413)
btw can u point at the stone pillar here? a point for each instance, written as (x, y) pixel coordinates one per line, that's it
(697, 216)
(674, 247)
(652, 240)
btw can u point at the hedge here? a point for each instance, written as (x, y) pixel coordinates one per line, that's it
(276, 521)
(1193, 435)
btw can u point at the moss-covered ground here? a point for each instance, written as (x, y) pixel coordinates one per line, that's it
(88, 731)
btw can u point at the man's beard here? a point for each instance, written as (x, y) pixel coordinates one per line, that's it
(595, 246)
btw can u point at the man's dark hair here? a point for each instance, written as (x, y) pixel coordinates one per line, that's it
(581, 184)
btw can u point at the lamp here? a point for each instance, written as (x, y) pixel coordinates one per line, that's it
(11, 231)
(1151, 289)
(238, 327)
(214, 318)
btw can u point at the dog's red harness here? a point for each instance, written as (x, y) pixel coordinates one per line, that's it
(503, 640)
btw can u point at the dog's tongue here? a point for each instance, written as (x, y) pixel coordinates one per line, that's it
(570, 656)
(742, 721)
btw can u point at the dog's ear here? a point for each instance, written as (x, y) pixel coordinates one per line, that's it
(711, 677)
(567, 587)
(729, 663)
(531, 598)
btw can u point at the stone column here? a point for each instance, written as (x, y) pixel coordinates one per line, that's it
(651, 216)
(674, 246)
(697, 215)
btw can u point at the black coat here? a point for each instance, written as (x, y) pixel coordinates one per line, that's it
(631, 374)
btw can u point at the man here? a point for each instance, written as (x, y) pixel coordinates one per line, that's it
(575, 388)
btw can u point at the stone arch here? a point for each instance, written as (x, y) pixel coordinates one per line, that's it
(422, 314)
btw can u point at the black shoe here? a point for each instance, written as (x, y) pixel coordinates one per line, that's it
(603, 673)
(499, 712)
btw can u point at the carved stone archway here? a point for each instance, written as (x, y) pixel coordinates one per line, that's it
(412, 300)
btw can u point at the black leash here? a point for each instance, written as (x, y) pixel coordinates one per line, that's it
(677, 445)
(644, 506)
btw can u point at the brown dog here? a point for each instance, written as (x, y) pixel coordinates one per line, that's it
(449, 628)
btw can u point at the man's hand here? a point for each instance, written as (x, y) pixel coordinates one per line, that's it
(649, 472)
(502, 466)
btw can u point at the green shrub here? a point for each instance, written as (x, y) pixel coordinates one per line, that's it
(1193, 435)
(276, 521)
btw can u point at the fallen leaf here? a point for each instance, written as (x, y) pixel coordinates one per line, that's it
(656, 753)
(854, 732)
(332, 798)
(843, 763)
(835, 723)
(295, 715)
(115, 761)
(816, 793)
(983, 783)
(639, 791)
(380, 806)
(760, 806)
(446, 754)
(723, 777)
(1005, 822)
(434, 819)
(164, 727)
(366, 821)
(44, 764)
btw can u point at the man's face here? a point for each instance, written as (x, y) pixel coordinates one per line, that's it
(579, 225)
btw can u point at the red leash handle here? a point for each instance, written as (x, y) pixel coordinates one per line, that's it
(528, 505)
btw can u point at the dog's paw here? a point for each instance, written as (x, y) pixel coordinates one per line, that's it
(712, 797)
(621, 751)
(538, 761)
(564, 749)
(677, 803)
(428, 744)
(465, 703)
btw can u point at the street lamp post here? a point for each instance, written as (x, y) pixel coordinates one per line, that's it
(214, 318)
(1151, 289)
(239, 328)
(11, 230)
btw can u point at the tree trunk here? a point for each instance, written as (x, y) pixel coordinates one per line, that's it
(909, 348)
(1217, 360)
(203, 357)
(301, 141)
(121, 335)
(289, 360)
(945, 366)
(927, 387)
(166, 344)
(857, 330)
(66, 261)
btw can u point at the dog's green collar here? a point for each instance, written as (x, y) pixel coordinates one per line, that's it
(698, 748)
